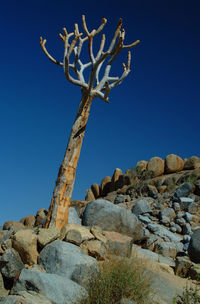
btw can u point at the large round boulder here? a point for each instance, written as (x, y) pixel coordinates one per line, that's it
(112, 218)
(105, 186)
(155, 166)
(192, 163)
(141, 166)
(194, 247)
(173, 163)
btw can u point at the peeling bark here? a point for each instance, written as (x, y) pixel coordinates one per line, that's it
(59, 208)
(91, 88)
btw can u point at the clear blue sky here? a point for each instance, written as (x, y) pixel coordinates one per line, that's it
(154, 112)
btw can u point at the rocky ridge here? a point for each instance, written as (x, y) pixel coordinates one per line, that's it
(150, 213)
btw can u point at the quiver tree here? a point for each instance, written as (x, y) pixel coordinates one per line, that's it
(91, 88)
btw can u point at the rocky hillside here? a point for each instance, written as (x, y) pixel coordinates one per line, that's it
(150, 213)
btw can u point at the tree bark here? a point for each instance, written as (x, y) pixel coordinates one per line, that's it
(59, 208)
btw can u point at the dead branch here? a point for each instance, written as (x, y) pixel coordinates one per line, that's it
(95, 87)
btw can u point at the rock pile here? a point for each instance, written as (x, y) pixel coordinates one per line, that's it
(153, 215)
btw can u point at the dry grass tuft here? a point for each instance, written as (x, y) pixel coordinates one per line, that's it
(119, 278)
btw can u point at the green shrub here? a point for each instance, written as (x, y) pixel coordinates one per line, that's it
(118, 278)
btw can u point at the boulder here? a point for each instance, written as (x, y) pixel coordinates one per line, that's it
(95, 248)
(46, 236)
(184, 190)
(183, 265)
(13, 225)
(12, 264)
(194, 247)
(77, 234)
(58, 289)
(89, 195)
(41, 217)
(188, 204)
(192, 163)
(197, 187)
(169, 212)
(155, 166)
(141, 207)
(28, 221)
(117, 180)
(167, 249)
(143, 254)
(98, 234)
(105, 186)
(141, 166)
(67, 260)
(3, 291)
(163, 232)
(113, 218)
(25, 242)
(118, 244)
(73, 216)
(173, 163)
(96, 190)
(25, 297)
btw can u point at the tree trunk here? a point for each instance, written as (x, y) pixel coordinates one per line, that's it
(59, 208)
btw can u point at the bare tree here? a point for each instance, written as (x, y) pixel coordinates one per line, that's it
(93, 87)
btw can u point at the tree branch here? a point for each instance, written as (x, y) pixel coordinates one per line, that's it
(42, 43)
(102, 87)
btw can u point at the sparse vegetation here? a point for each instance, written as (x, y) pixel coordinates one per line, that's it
(119, 278)
(190, 295)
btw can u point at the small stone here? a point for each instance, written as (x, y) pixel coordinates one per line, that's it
(186, 238)
(188, 216)
(173, 229)
(180, 215)
(178, 228)
(185, 246)
(176, 207)
(165, 220)
(141, 207)
(144, 219)
(168, 212)
(179, 247)
(119, 199)
(186, 229)
(180, 221)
